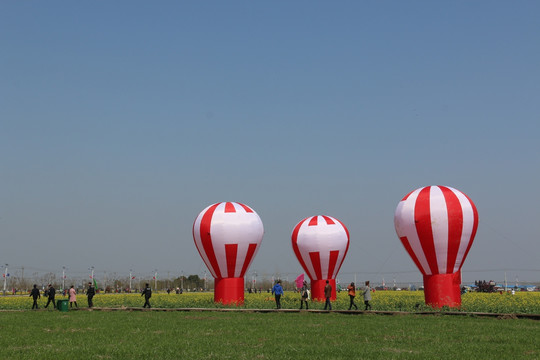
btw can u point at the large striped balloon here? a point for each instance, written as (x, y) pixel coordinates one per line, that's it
(228, 235)
(320, 244)
(436, 225)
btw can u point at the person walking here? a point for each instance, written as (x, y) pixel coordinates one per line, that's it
(352, 294)
(35, 295)
(90, 292)
(147, 293)
(328, 295)
(52, 294)
(277, 291)
(367, 295)
(304, 296)
(72, 297)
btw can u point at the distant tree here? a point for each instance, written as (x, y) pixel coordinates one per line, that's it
(194, 282)
(48, 278)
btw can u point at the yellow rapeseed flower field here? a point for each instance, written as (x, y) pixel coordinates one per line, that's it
(521, 302)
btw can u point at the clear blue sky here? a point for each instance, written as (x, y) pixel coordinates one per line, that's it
(120, 121)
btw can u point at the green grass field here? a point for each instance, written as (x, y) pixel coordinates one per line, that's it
(241, 335)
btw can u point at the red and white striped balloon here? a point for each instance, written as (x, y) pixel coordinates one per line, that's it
(437, 226)
(228, 235)
(320, 243)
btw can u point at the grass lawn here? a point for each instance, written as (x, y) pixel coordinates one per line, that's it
(237, 335)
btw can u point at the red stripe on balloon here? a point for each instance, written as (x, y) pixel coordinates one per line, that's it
(328, 220)
(230, 255)
(475, 227)
(297, 250)
(334, 254)
(422, 219)
(247, 208)
(316, 262)
(455, 226)
(249, 256)
(347, 248)
(409, 249)
(206, 239)
(313, 221)
(229, 208)
(406, 196)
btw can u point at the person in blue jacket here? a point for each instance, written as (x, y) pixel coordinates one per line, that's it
(277, 290)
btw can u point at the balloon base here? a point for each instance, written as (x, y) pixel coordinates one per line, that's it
(317, 289)
(229, 291)
(443, 290)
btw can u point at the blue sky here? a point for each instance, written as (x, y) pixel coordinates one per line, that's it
(121, 121)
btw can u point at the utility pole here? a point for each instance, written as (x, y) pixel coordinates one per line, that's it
(155, 280)
(63, 278)
(5, 278)
(130, 277)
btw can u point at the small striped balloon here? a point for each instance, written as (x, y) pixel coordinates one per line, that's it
(320, 244)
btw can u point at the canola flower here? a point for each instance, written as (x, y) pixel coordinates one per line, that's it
(520, 303)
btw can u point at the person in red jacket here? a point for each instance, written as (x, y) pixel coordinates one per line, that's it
(352, 294)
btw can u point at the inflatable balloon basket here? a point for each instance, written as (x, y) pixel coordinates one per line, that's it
(229, 291)
(443, 290)
(317, 289)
